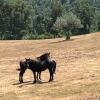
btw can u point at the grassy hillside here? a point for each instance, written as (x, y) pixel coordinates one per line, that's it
(77, 76)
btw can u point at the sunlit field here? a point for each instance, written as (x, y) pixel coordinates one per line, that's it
(78, 69)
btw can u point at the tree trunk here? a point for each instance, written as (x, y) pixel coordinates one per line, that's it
(68, 35)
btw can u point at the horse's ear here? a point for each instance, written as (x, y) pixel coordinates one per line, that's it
(38, 58)
(29, 58)
(48, 53)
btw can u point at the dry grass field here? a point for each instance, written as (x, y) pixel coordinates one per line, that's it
(78, 69)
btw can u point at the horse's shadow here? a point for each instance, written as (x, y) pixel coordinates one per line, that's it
(18, 83)
(29, 83)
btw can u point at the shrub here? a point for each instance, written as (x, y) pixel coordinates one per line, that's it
(36, 36)
(67, 23)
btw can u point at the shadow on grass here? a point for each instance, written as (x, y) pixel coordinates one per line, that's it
(29, 83)
(20, 83)
(61, 41)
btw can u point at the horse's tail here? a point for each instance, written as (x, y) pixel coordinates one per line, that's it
(54, 66)
(20, 64)
(18, 69)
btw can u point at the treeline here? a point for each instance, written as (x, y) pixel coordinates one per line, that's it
(36, 19)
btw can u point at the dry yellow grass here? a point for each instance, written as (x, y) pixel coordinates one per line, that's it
(77, 76)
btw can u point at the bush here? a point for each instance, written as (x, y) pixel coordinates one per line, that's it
(36, 36)
(8, 36)
(67, 23)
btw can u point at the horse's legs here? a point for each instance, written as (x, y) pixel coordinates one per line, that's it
(54, 67)
(37, 75)
(21, 75)
(34, 73)
(51, 75)
(40, 75)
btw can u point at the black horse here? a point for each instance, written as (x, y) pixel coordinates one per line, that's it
(39, 65)
(22, 69)
(52, 63)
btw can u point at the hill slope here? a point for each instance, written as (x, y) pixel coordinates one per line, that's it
(77, 76)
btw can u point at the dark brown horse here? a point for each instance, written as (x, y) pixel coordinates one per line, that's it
(39, 65)
(51, 62)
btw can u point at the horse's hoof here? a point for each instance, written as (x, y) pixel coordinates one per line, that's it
(21, 82)
(49, 81)
(34, 82)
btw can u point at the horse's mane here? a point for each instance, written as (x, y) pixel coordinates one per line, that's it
(44, 56)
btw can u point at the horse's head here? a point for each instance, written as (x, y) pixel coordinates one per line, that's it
(27, 62)
(44, 56)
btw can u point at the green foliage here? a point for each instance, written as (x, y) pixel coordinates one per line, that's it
(35, 36)
(15, 17)
(99, 25)
(98, 21)
(85, 11)
(8, 36)
(41, 16)
(56, 9)
(67, 23)
(35, 19)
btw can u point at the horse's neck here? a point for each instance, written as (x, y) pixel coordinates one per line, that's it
(32, 62)
(45, 61)
(48, 60)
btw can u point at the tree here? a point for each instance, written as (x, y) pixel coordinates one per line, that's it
(63, 1)
(5, 12)
(56, 10)
(41, 16)
(21, 19)
(67, 23)
(98, 21)
(14, 18)
(86, 12)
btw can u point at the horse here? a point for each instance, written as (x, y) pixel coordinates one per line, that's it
(22, 69)
(42, 63)
(43, 56)
(52, 63)
(38, 67)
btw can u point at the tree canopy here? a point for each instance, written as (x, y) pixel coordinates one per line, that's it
(34, 19)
